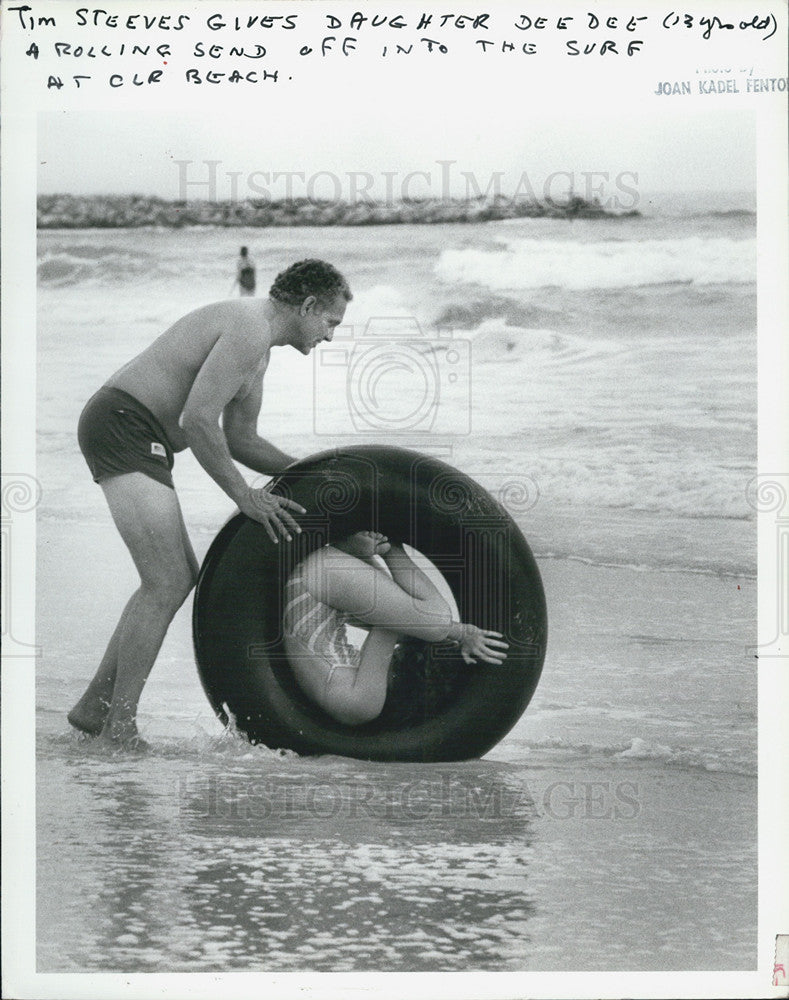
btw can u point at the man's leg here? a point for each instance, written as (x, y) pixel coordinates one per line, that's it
(90, 712)
(148, 517)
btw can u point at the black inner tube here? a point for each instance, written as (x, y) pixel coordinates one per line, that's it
(437, 707)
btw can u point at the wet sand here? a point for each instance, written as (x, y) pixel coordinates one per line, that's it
(585, 840)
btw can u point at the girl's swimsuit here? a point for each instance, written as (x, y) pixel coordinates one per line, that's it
(318, 629)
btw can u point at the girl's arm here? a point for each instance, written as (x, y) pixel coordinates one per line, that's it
(408, 603)
(474, 642)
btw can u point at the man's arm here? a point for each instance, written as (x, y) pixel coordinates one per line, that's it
(239, 422)
(236, 354)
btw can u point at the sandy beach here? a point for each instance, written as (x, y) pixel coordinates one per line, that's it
(614, 827)
(570, 846)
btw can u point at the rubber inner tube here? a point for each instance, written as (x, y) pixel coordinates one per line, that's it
(437, 708)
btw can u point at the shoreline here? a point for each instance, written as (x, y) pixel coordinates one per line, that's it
(616, 806)
(601, 620)
(198, 532)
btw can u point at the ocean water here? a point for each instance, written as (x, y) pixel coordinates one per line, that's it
(599, 377)
(574, 368)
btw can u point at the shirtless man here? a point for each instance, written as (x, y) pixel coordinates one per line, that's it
(208, 365)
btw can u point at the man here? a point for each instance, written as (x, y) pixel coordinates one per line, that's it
(245, 273)
(208, 365)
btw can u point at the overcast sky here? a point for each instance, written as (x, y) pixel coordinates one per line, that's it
(100, 152)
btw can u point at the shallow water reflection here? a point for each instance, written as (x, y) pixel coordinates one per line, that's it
(284, 864)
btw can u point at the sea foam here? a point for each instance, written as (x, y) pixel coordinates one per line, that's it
(536, 263)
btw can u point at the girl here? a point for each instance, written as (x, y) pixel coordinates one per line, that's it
(342, 584)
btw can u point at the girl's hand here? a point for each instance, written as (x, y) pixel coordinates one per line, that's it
(483, 643)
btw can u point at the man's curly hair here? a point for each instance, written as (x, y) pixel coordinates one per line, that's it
(310, 277)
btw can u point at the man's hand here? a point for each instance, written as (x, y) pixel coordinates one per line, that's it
(272, 511)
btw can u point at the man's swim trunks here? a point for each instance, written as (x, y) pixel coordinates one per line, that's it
(246, 278)
(117, 434)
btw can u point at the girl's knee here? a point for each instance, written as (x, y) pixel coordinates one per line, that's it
(438, 606)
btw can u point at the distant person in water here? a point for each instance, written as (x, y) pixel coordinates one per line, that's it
(245, 273)
(206, 368)
(343, 584)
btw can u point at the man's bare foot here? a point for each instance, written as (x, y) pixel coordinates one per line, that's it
(89, 716)
(121, 736)
(131, 744)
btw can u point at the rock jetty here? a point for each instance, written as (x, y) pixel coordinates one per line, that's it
(63, 211)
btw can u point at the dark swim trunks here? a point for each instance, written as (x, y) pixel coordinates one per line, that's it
(117, 434)
(246, 278)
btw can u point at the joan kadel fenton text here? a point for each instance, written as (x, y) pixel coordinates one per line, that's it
(729, 85)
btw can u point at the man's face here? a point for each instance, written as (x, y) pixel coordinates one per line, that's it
(318, 322)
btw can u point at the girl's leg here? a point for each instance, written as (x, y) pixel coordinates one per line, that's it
(349, 695)
(370, 595)
(358, 696)
(408, 576)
